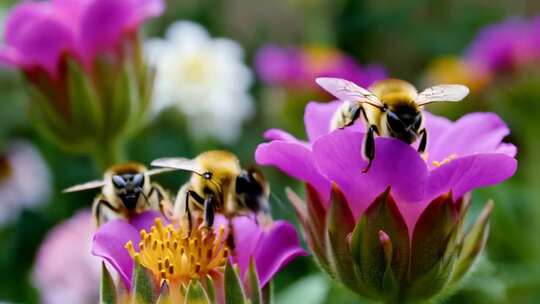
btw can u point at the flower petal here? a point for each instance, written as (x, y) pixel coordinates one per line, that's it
(38, 33)
(473, 133)
(397, 165)
(278, 134)
(435, 126)
(109, 243)
(145, 220)
(467, 173)
(102, 24)
(296, 160)
(276, 248)
(247, 234)
(318, 116)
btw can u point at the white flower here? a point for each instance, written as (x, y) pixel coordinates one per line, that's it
(24, 180)
(65, 270)
(205, 78)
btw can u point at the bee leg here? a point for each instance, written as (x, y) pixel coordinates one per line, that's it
(369, 146)
(98, 213)
(163, 205)
(209, 212)
(199, 200)
(423, 141)
(355, 109)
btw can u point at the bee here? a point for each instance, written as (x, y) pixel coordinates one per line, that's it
(391, 108)
(126, 190)
(218, 184)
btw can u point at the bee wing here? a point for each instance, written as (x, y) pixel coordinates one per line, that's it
(442, 93)
(157, 171)
(176, 163)
(86, 186)
(348, 91)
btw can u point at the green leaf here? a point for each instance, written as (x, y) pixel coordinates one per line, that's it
(210, 289)
(473, 243)
(340, 223)
(254, 284)
(196, 294)
(144, 287)
(368, 252)
(107, 293)
(234, 292)
(86, 109)
(312, 289)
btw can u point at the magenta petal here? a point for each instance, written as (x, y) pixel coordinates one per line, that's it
(278, 134)
(109, 243)
(435, 126)
(317, 117)
(296, 160)
(467, 173)
(473, 133)
(276, 248)
(247, 234)
(102, 24)
(145, 220)
(397, 165)
(145, 9)
(9, 57)
(37, 31)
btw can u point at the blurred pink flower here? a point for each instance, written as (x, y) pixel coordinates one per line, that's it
(24, 180)
(297, 67)
(65, 270)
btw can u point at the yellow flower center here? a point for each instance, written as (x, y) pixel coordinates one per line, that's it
(176, 258)
(445, 161)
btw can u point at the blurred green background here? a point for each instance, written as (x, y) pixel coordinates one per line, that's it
(405, 37)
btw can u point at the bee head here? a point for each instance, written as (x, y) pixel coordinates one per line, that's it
(128, 187)
(404, 122)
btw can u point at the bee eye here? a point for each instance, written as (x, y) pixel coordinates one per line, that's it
(138, 180)
(417, 121)
(118, 181)
(394, 123)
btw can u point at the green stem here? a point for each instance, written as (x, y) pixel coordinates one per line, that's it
(108, 154)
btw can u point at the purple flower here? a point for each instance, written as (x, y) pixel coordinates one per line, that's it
(270, 248)
(297, 68)
(503, 46)
(393, 206)
(38, 34)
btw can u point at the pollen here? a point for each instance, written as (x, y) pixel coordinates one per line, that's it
(176, 258)
(450, 158)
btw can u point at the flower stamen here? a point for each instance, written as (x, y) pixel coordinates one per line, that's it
(174, 258)
(445, 161)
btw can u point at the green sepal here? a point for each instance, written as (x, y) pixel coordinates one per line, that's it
(51, 123)
(123, 106)
(144, 289)
(268, 293)
(210, 289)
(254, 284)
(164, 294)
(389, 282)
(85, 105)
(107, 292)
(473, 243)
(366, 249)
(340, 223)
(432, 235)
(195, 293)
(234, 292)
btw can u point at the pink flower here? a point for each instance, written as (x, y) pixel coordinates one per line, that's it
(65, 271)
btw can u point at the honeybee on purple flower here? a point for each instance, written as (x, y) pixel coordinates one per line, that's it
(391, 108)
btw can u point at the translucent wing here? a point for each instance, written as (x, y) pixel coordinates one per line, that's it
(442, 93)
(86, 186)
(160, 170)
(176, 163)
(348, 91)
